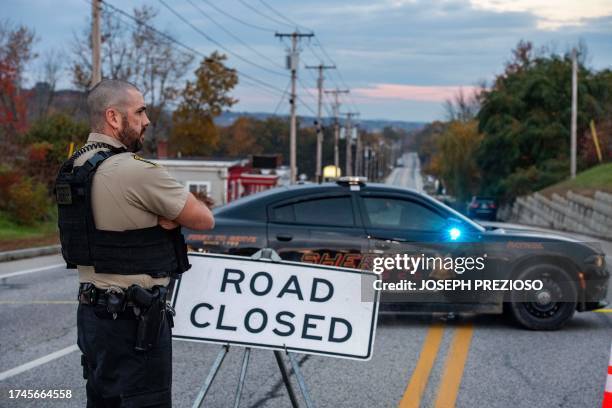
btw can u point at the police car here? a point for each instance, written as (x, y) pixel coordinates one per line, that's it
(345, 223)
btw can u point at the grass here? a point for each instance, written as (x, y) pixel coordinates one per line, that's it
(597, 178)
(16, 236)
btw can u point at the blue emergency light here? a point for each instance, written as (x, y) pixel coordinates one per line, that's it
(454, 233)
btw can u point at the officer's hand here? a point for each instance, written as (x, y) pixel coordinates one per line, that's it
(209, 202)
(203, 197)
(166, 223)
(195, 215)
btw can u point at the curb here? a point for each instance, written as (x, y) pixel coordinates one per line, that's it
(29, 253)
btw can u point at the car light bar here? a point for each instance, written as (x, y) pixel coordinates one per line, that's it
(352, 181)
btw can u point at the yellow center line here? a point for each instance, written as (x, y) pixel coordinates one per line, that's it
(453, 367)
(38, 302)
(603, 311)
(420, 375)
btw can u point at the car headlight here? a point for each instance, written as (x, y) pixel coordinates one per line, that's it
(596, 260)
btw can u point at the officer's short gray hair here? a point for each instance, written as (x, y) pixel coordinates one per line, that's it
(109, 93)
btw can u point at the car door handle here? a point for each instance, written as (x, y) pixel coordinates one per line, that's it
(382, 244)
(284, 237)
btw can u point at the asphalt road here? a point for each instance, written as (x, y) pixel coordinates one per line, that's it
(427, 361)
(479, 360)
(409, 175)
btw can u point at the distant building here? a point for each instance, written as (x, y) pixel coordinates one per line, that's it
(221, 180)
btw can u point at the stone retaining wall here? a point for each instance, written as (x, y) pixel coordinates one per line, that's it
(572, 212)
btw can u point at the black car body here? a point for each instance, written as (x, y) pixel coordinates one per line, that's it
(337, 223)
(482, 208)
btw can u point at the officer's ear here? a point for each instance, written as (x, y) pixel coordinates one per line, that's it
(113, 118)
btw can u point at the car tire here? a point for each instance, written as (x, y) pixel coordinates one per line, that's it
(542, 315)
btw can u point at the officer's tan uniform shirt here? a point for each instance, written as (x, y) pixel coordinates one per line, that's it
(129, 193)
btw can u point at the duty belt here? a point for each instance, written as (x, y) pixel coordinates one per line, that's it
(149, 307)
(116, 302)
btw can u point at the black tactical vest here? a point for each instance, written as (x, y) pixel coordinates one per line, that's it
(154, 251)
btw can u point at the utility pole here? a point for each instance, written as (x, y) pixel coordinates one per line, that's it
(319, 164)
(348, 131)
(293, 61)
(96, 70)
(574, 112)
(358, 154)
(367, 153)
(337, 92)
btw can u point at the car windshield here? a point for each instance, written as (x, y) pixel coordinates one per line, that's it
(456, 214)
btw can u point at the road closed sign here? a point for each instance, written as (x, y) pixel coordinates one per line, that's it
(277, 305)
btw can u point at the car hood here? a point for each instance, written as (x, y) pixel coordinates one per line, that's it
(518, 232)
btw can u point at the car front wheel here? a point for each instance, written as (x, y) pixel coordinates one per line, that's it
(549, 308)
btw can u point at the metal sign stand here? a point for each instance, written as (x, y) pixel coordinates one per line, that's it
(271, 255)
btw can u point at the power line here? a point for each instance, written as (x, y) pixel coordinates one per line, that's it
(250, 82)
(218, 44)
(337, 71)
(244, 77)
(306, 105)
(306, 90)
(257, 27)
(278, 13)
(235, 37)
(282, 97)
(156, 31)
(259, 82)
(315, 54)
(254, 9)
(293, 23)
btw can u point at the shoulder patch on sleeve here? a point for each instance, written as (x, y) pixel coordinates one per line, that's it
(137, 157)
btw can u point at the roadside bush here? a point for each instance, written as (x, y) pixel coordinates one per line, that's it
(8, 178)
(47, 144)
(54, 134)
(28, 202)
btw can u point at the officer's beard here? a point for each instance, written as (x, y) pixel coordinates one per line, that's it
(130, 137)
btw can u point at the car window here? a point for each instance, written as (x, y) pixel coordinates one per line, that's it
(387, 212)
(284, 213)
(336, 211)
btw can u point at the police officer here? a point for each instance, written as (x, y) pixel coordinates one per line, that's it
(119, 221)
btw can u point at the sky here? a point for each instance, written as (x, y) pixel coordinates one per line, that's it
(401, 59)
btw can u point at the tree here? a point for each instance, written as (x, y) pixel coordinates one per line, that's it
(240, 138)
(463, 107)
(15, 53)
(137, 54)
(194, 132)
(455, 160)
(425, 142)
(43, 93)
(525, 120)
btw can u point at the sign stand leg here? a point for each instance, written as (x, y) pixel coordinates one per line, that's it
(300, 379)
(245, 364)
(283, 370)
(211, 376)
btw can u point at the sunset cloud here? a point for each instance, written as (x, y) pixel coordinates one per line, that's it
(425, 93)
(551, 14)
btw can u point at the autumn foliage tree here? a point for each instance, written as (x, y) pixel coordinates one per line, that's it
(194, 132)
(15, 53)
(455, 161)
(240, 138)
